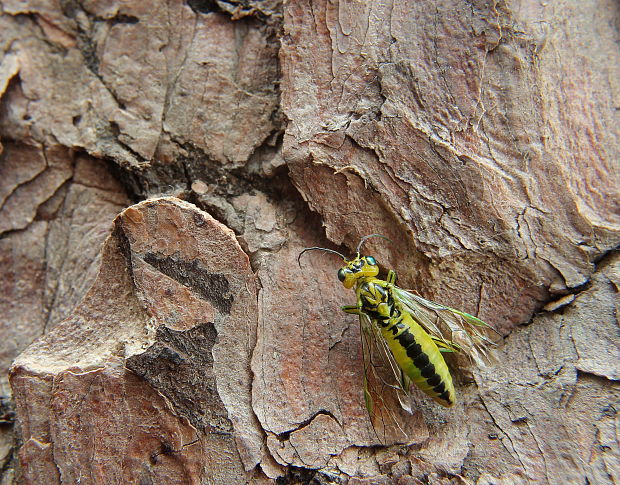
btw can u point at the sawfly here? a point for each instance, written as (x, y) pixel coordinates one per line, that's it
(409, 332)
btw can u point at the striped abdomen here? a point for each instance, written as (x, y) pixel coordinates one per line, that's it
(414, 350)
(418, 356)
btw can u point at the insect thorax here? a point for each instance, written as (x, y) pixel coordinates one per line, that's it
(376, 300)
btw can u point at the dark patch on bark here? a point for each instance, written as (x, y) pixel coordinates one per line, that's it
(124, 246)
(7, 411)
(180, 366)
(225, 182)
(124, 19)
(199, 219)
(210, 286)
(85, 43)
(237, 9)
(204, 6)
(296, 475)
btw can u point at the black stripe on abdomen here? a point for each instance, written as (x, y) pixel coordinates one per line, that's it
(422, 362)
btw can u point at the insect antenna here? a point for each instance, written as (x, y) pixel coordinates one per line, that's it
(319, 249)
(365, 238)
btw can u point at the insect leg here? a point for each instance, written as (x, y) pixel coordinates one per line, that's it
(391, 277)
(353, 309)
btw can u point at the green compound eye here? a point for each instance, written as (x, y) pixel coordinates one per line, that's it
(341, 274)
(370, 260)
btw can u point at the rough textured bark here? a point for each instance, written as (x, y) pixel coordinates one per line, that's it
(177, 340)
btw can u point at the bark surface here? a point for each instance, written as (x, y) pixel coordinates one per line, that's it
(164, 163)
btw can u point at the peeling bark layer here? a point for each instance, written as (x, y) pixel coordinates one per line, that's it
(449, 129)
(119, 79)
(554, 412)
(84, 363)
(56, 209)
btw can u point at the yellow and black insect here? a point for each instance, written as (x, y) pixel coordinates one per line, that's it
(409, 331)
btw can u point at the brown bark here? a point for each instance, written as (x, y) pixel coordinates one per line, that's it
(183, 343)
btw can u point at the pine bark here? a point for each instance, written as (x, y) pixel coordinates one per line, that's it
(164, 163)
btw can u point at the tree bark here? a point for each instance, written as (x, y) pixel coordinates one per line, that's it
(178, 340)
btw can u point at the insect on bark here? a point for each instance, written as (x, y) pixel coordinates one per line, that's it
(408, 331)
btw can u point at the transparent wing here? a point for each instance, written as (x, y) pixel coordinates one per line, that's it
(385, 387)
(452, 330)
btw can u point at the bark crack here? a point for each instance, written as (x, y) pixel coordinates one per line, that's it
(542, 453)
(23, 183)
(514, 453)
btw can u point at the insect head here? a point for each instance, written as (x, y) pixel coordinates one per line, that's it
(355, 268)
